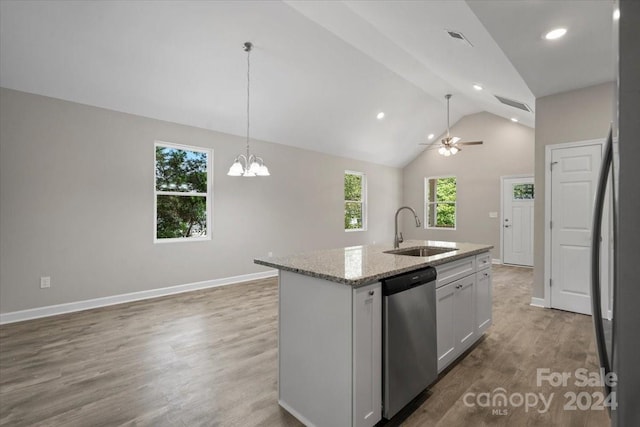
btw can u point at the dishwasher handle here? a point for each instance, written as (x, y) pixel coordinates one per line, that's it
(400, 283)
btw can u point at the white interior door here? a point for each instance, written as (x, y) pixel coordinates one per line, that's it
(517, 221)
(574, 176)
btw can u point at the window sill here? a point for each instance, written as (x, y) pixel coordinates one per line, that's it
(440, 228)
(351, 230)
(183, 240)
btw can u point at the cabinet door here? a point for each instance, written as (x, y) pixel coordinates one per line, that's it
(445, 324)
(464, 307)
(484, 301)
(367, 355)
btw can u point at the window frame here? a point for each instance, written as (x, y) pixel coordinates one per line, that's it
(427, 203)
(363, 201)
(208, 195)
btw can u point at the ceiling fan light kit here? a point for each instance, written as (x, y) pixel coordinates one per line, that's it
(451, 145)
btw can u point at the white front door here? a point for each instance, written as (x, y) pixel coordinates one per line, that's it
(574, 177)
(517, 221)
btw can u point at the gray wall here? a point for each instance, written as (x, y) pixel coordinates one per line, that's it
(507, 150)
(76, 186)
(576, 115)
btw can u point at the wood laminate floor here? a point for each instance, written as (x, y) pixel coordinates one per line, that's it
(208, 358)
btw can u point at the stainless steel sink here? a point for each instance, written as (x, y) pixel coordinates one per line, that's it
(421, 251)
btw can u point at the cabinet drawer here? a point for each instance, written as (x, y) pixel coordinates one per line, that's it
(483, 261)
(455, 270)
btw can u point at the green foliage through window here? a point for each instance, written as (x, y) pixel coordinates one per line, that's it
(523, 192)
(441, 202)
(353, 201)
(181, 186)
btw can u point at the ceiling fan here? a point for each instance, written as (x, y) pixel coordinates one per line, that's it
(450, 145)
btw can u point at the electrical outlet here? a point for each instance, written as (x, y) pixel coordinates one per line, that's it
(45, 282)
(270, 254)
(493, 214)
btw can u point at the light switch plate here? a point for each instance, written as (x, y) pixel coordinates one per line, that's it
(45, 282)
(493, 214)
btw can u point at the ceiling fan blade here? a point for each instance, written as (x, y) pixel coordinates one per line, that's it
(471, 143)
(455, 139)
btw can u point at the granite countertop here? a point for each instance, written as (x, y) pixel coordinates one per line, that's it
(361, 265)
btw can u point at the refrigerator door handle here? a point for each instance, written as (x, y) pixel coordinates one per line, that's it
(595, 257)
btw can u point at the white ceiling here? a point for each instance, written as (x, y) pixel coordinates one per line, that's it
(584, 57)
(321, 71)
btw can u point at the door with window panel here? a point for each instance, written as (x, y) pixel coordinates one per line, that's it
(517, 221)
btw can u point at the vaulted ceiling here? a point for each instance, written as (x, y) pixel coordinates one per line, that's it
(320, 70)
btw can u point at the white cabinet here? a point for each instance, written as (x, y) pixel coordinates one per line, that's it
(329, 351)
(463, 305)
(367, 355)
(445, 316)
(484, 300)
(455, 270)
(464, 308)
(456, 319)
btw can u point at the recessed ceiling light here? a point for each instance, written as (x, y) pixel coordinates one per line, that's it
(514, 120)
(380, 115)
(431, 136)
(555, 34)
(477, 87)
(616, 14)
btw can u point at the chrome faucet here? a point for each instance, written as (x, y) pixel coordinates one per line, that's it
(398, 238)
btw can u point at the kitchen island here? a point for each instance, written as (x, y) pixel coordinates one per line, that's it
(330, 323)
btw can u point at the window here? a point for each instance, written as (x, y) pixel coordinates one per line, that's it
(440, 202)
(182, 187)
(523, 192)
(355, 201)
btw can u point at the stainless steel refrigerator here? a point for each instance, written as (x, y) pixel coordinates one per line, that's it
(618, 341)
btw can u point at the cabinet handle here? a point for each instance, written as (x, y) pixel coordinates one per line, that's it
(371, 292)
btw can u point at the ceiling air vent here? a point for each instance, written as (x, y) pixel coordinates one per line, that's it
(459, 37)
(514, 104)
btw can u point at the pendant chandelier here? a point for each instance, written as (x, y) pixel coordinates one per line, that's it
(248, 165)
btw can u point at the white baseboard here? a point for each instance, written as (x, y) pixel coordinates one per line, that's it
(496, 261)
(52, 310)
(537, 302)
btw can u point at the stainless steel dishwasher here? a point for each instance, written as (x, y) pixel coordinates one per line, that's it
(409, 338)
